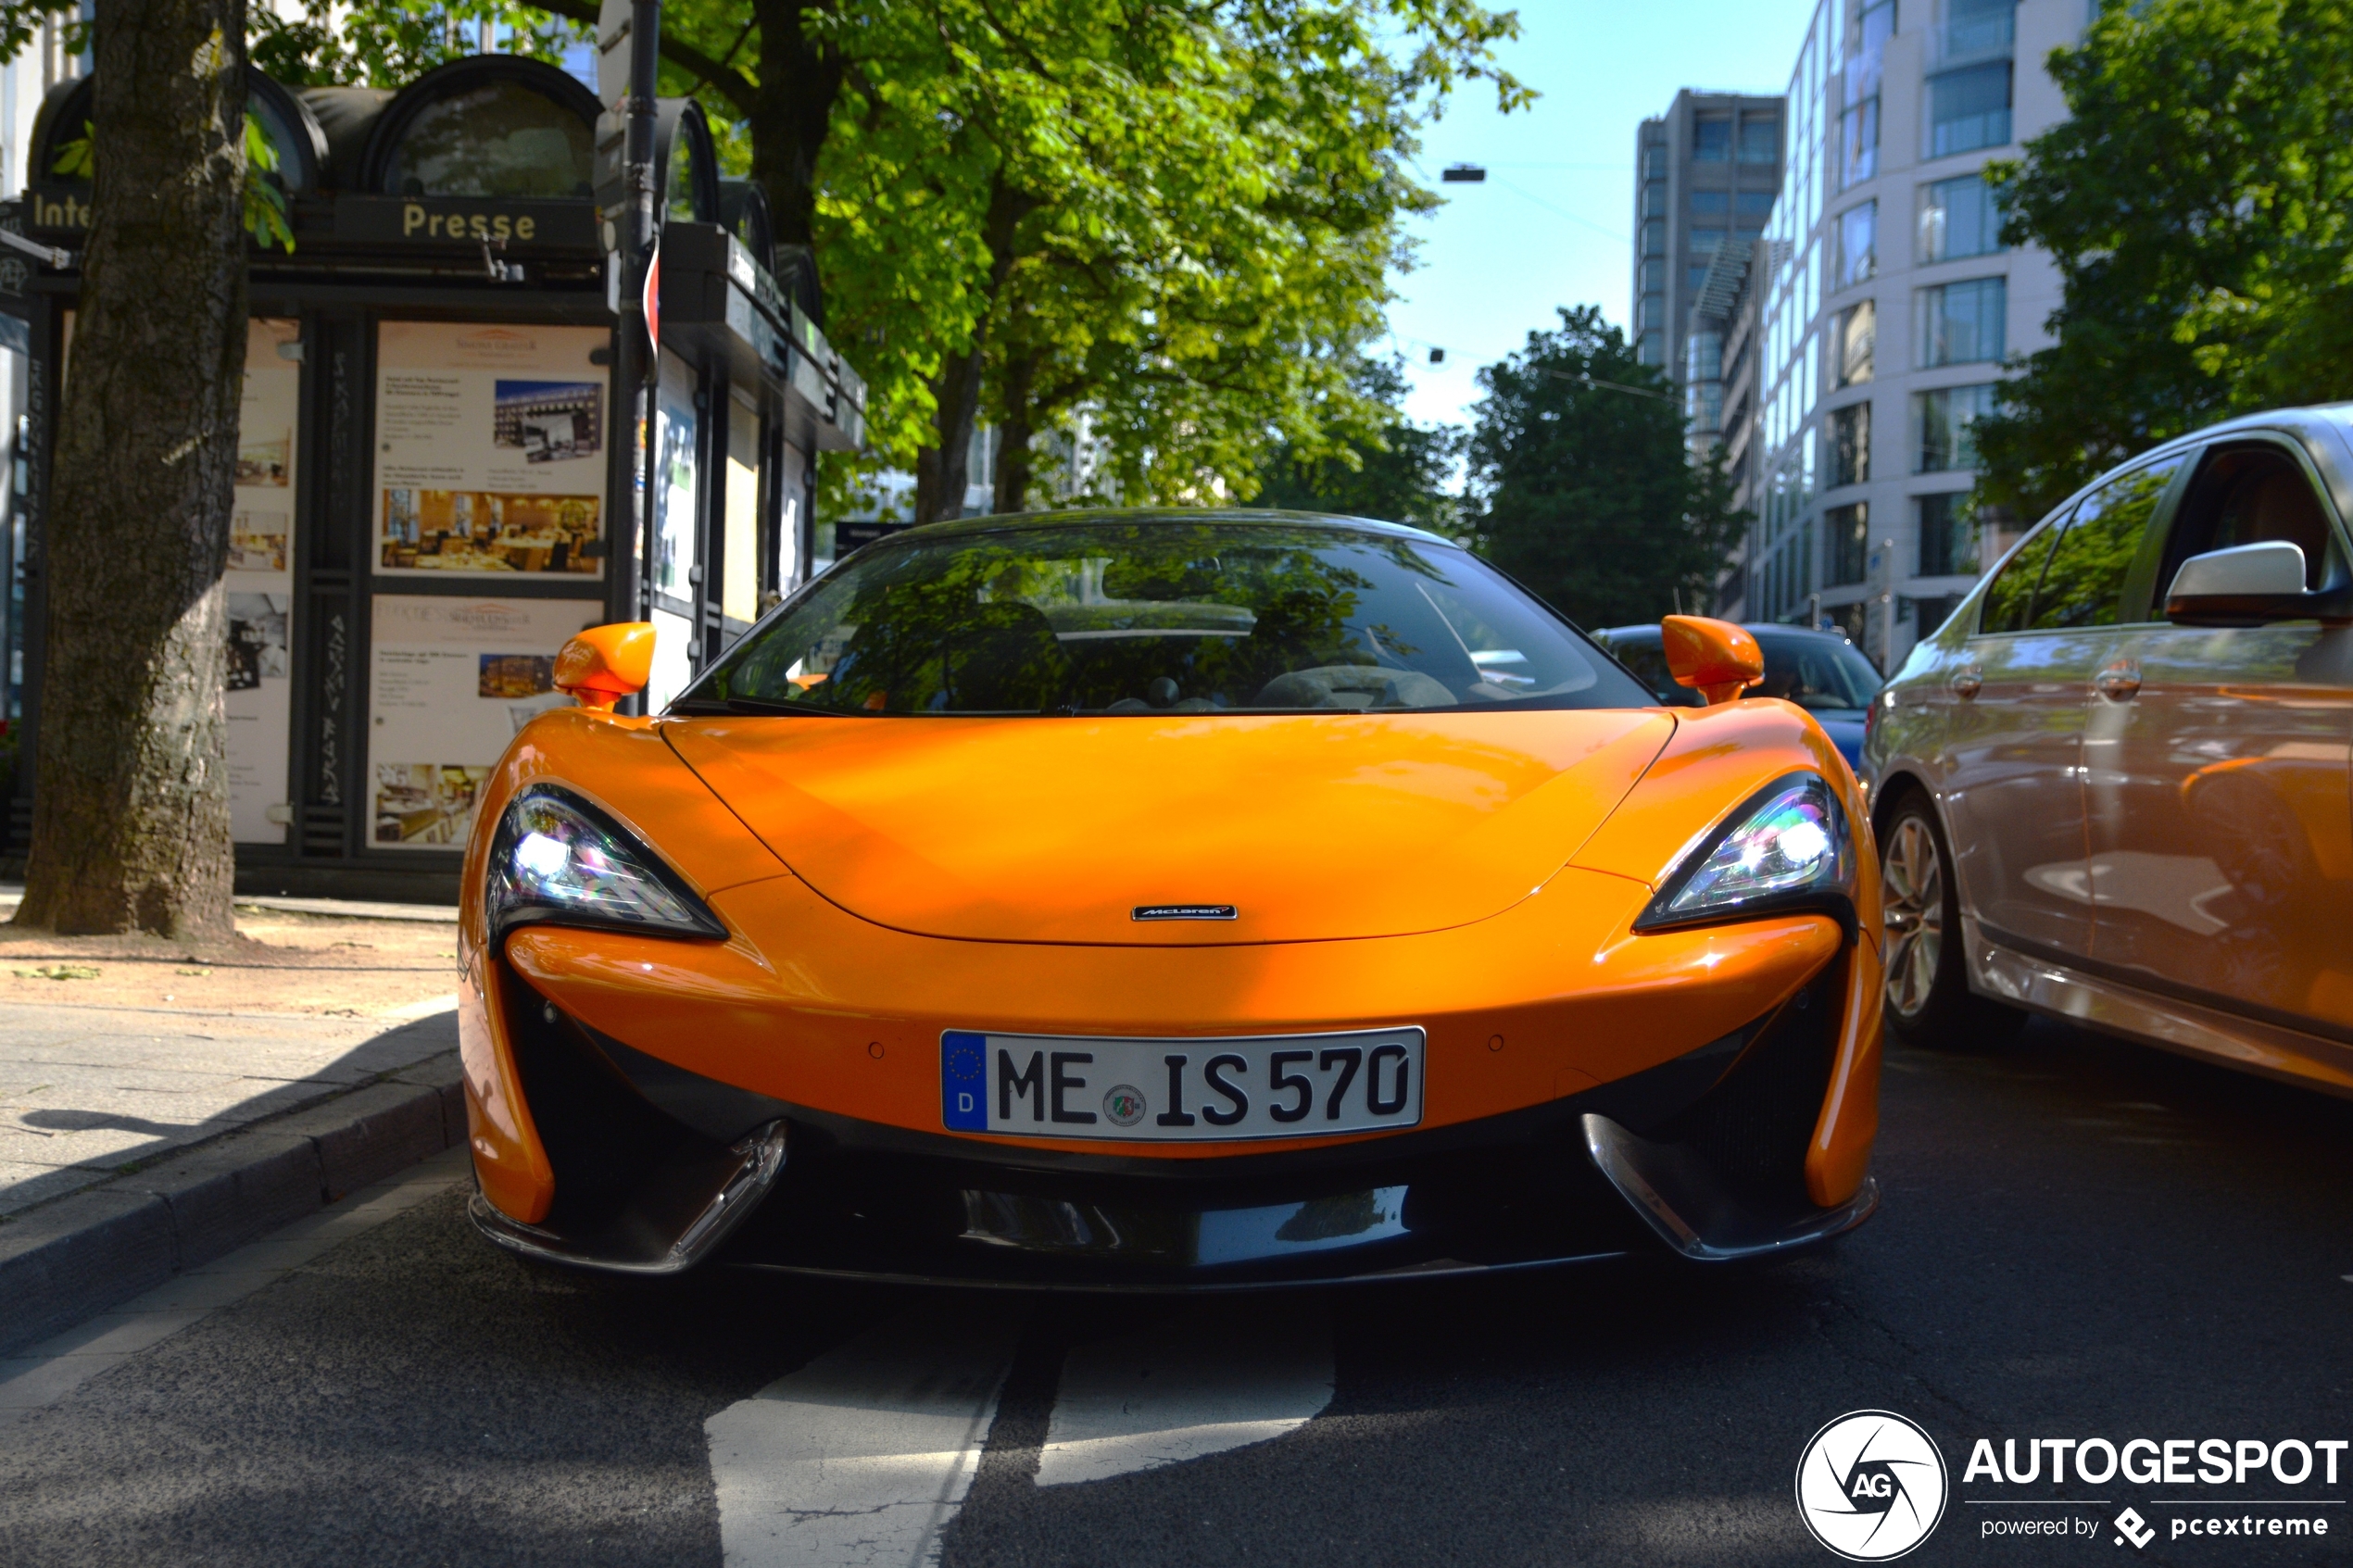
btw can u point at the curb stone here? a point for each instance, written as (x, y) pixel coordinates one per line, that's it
(66, 1261)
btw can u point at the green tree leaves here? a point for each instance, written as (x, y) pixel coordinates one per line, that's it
(1403, 474)
(1583, 487)
(2196, 203)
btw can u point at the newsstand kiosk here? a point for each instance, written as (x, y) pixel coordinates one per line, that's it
(438, 478)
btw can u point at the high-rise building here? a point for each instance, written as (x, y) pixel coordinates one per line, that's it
(1887, 307)
(1705, 175)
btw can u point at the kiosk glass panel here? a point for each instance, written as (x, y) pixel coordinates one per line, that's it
(500, 140)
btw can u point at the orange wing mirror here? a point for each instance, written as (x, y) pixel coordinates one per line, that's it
(1715, 658)
(606, 663)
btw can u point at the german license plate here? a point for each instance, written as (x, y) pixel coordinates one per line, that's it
(1180, 1090)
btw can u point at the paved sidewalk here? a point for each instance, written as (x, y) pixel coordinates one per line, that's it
(144, 1132)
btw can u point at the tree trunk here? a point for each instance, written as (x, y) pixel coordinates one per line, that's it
(798, 81)
(941, 469)
(942, 472)
(1013, 461)
(130, 808)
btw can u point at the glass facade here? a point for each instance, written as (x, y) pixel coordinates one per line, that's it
(1938, 75)
(1712, 138)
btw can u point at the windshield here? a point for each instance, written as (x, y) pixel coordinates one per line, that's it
(1821, 674)
(1130, 616)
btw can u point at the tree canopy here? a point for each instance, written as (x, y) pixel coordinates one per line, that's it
(1178, 217)
(1579, 482)
(1402, 474)
(2198, 203)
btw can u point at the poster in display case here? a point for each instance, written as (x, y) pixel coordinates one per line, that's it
(260, 585)
(490, 448)
(450, 681)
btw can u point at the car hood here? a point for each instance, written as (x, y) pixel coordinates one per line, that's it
(1056, 830)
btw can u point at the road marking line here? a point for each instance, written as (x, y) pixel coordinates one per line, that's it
(1215, 1379)
(860, 1458)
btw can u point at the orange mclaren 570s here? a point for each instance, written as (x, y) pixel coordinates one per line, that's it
(1169, 901)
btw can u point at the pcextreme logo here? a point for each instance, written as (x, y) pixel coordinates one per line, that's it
(1872, 1485)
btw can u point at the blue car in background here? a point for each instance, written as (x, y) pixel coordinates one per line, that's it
(1821, 671)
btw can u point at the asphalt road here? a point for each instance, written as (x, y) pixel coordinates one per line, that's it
(2080, 1239)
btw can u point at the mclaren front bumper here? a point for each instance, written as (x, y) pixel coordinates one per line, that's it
(1705, 1155)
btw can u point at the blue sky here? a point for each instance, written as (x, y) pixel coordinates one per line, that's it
(1551, 225)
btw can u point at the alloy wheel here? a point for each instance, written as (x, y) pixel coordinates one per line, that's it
(1913, 900)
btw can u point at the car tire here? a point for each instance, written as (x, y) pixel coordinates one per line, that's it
(1928, 1001)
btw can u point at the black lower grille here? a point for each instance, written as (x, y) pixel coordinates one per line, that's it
(1752, 1127)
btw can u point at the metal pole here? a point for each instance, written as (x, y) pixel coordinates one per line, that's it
(640, 367)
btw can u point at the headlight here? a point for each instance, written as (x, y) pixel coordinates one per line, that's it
(1786, 846)
(557, 859)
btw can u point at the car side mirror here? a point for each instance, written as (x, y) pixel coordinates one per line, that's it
(1715, 658)
(2245, 586)
(606, 663)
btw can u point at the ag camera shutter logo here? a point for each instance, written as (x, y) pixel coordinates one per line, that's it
(1872, 1485)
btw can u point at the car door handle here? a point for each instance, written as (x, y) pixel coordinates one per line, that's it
(1966, 682)
(2119, 680)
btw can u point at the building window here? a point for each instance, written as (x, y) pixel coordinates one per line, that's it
(1653, 276)
(1969, 109)
(1712, 138)
(1941, 441)
(1961, 323)
(1859, 143)
(1857, 244)
(1651, 349)
(1694, 277)
(1957, 219)
(1653, 162)
(1850, 539)
(1704, 241)
(1711, 203)
(1654, 199)
(1858, 155)
(1703, 407)
(1931, 614)
(1758, 205)
(1704, 357)
(1760, 140)
(1856, 344)
(1850, 444)
(1977, 27)
(1653, 238)
(1948, 541)
(1654, 312)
